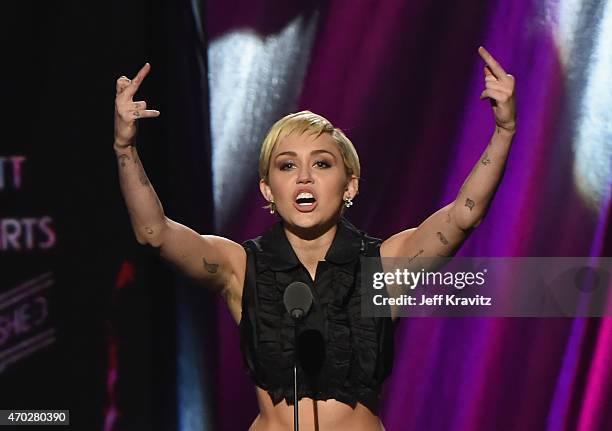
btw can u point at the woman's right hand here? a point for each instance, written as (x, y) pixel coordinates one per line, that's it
(127, 111)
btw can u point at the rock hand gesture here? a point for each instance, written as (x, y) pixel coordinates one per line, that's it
(500, 91)
(127, 111)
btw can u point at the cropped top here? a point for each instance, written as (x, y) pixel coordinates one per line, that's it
(340, 354)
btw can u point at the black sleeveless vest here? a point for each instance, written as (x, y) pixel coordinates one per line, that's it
(341, 355)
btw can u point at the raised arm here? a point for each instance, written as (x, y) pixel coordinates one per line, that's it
(443, 232)
(215, 261)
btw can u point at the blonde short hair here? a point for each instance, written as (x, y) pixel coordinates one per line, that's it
(302, 122)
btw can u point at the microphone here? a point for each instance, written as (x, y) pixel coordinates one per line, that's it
(297, 299)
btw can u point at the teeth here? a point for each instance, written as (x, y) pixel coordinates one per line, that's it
(305, 199)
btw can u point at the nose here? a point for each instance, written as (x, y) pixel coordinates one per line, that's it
(304, 175)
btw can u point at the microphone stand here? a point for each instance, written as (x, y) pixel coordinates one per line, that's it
(296, 425)
(298, 300)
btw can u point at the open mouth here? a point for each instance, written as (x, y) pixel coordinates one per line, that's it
(305, 202)
(305, 199)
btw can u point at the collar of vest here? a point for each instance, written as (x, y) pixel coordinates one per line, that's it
(348, 243)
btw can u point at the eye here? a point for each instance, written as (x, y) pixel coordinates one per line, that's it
(322, 164)
(285, 166)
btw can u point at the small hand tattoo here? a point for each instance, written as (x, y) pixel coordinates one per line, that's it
(442, 238)
(122, 158)
(469, 203)
(210, 267)
(485, 159)
(148, 230)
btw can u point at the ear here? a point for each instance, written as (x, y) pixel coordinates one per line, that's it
(266, 191)
(352, 187)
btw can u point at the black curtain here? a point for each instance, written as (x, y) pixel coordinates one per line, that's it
(112, 299)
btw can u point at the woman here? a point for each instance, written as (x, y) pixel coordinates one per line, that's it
(309, 172)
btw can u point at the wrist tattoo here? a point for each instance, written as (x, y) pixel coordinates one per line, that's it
(122, 158)
(485, 159)
(442, 238)
(210, 267)
(469, 203)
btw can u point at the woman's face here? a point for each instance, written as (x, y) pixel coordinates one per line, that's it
(307, 180)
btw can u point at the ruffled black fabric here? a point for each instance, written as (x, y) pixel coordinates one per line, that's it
(341, 355)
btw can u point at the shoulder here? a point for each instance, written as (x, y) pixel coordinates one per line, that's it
(352, 231)
(391, 246)
(235, 256)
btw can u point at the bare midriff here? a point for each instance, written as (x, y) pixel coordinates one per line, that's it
(313, 416)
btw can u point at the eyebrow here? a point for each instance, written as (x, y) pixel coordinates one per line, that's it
(312, 153)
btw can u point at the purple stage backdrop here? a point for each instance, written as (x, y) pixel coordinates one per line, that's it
(403, 79)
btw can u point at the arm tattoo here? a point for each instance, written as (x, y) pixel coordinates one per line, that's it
(210, 267)
(122, 158)
(469, 203)
(415, 256)
(442, 238)
(485, 159)
(142, 176)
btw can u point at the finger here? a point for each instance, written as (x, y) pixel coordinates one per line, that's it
(140, 76)
(147, 113)
(488, 74)
(496, 95)
(495, 67)
(122, 83)
(498, 86)
(140, 105)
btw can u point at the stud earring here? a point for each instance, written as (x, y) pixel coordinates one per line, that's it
(348, 201)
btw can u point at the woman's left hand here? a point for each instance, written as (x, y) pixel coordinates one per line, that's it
(500, 90)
